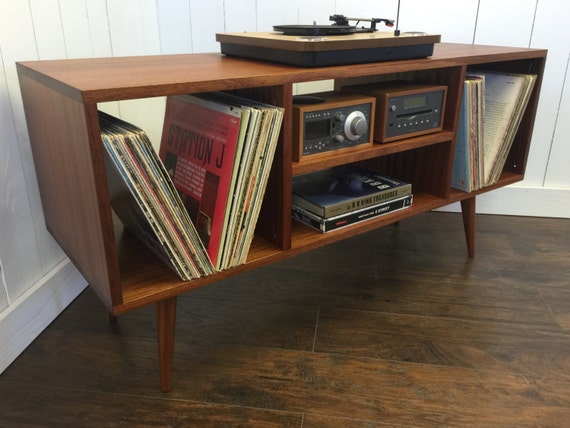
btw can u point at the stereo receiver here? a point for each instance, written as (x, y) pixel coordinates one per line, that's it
(405, 109)
(331, 121)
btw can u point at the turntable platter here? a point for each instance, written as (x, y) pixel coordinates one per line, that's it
(315, 30)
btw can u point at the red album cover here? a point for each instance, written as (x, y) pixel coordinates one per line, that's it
(199, 147)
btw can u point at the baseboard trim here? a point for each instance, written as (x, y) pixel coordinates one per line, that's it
(32, 312)
(522, 201)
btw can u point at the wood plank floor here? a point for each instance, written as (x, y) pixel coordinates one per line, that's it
(393, 328)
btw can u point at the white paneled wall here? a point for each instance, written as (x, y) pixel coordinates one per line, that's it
(505, 22)
(175, 32)
(454, 20)
(558, 170)
(19, 200)
(240, 15)
(550, 151)
(37, 279)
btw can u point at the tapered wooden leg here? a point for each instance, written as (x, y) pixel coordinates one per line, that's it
(165, 326)
(468, 211)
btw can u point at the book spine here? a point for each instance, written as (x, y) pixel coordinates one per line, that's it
(328, 224)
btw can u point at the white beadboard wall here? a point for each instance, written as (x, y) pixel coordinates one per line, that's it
(37, 281)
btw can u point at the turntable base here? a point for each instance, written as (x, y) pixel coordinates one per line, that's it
(318, 51)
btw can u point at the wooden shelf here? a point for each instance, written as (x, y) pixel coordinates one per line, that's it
(142, 271)
(146, 279)
(506, 179)
(123, 78)
(60, 98)
(305, 237)
(330, 159)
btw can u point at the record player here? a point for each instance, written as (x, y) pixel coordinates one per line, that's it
(328, 45)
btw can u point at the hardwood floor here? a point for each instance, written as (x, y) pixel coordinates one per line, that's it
(394, 328)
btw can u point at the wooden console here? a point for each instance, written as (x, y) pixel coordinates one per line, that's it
(61, 100)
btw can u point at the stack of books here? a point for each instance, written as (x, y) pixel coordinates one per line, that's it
(337, 197)
(196, 202)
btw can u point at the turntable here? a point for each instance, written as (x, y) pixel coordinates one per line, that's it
(341, 26)
(328, 45)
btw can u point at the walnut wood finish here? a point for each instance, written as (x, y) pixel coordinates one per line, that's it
(165, 323)
(60, 99)
(468, 211)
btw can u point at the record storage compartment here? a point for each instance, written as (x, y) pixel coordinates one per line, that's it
(60, 100)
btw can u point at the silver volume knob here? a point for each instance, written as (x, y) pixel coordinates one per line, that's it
(355, 125)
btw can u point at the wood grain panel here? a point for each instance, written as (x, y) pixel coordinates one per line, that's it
(69, 185)
(70, 409)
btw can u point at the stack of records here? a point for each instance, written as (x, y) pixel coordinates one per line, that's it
(196, 203)
(145, 200)
(219, 149)
(492, 109)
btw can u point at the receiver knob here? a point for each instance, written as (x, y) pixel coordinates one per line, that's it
(338, 138)
(355, 125)
(359, 126)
